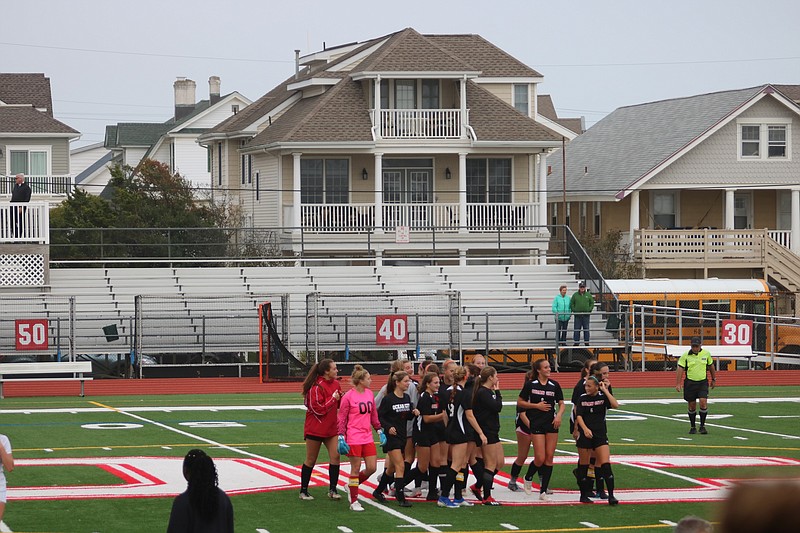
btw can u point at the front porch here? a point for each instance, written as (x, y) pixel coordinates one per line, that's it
(40, 185)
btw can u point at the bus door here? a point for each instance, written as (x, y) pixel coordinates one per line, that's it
(755, 307)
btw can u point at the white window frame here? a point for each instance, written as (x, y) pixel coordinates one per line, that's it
(527, 111)
(676, 202)
(763, 138)
(29, 148)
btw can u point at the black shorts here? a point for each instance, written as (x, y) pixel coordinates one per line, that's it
(316, 438)
(426, 438)
(441, 431)
(595, 442)
(456, 436)
(521, 426)
(542, 427)
(692, 390)
(393, 442)
(492, 438)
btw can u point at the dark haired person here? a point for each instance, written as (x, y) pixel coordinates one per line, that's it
(487, 402)
(694, 366)
(593, 437)
(203, 507)
(428, 427)
(321, 393)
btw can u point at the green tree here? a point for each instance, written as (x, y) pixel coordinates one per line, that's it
(611, 256)
(146, 212)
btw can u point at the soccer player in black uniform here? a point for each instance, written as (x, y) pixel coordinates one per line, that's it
(593, 435)
(523, 433)
(427, 433)
(395, 410)
(487, 403)
(461, 429)
(540, 397)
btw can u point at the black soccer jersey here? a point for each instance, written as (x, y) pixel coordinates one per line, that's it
(593, 411)
(486, 407)
(456, 411)
(395, 412)
(534, 391)
(428, 405)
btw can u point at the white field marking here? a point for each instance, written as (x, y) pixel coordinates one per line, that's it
(779, 416)
(684, 438)
(710, 416)
(300, 407)
(433, 525)
(166, 447)
(401, 516)
(259, 530)
(510, 526)
(106, 448)
(669, 523)
(589, 524)
(344, 529)
(627, 439)
(740, 438)
(720, 426)
(48, 450)
(283, 446)
(506, 440)
(250, 454)
(4, 528)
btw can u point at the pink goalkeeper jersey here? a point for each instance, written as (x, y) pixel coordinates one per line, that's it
(357, 416)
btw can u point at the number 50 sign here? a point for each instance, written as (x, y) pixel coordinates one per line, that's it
(737, 332)
(31, 334)
(391, 329)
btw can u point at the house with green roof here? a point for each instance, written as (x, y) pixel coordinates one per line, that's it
(403, 147)
(707, 185)
(174, 142)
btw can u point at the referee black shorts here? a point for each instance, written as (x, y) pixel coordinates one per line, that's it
(692, 390)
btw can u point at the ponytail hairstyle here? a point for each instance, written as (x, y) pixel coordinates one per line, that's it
(597, 368)
(434, 368)
(587, 367)
(394, 379)
(358, 375)
(317, 371)
(486, 373)
(426, 380)
(200, 472)
(459, 374)
(536, 366)
(397, 365)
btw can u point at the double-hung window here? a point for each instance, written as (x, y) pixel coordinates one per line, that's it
(521, 98)
(764, 140)
(324, 181)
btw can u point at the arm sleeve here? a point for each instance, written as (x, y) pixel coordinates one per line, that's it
(319, 402)
(555, 304)
(559, 393)
(682, 361)
(498, 401)
(376, 423)
(383, 410)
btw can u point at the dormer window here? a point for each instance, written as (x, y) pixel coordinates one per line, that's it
(764, 140)
(235, 108)
(521, 98)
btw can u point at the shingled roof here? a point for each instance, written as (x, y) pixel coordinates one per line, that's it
(135, 134)
(26, 88)
(15, 119)
(495, 120)
(409, 51)
(484, 56)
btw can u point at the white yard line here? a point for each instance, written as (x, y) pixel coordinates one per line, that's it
(388, 510)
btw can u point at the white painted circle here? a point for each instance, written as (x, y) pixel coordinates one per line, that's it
(213, 424)
(112, 425)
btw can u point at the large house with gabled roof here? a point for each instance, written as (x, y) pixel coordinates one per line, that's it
(707, 185)
(174, 142)
(404, 146)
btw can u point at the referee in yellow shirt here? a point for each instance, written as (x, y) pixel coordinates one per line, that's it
(694, 366)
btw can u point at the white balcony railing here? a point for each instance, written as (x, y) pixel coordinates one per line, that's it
(336, 218)
(51, 185)
(24, 222)
(420, 124)
(782, 237)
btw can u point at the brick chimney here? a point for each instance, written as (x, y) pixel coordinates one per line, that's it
(184, 97)
(213, 89)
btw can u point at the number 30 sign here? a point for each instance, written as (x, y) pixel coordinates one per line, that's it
(737, 332)
(31, 334)
(391, 330)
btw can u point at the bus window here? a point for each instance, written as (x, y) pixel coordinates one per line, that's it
(714, 312)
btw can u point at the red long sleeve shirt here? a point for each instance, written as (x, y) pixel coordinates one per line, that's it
(321, 406)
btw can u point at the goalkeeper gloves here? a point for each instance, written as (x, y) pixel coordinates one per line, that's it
(343, 447)
(382, 437)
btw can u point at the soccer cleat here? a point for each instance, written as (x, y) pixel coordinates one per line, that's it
(612, 500)
(512, 486)
(444, 501)
(333, 495)
(601, 494)
(356, 506)
(378, 495)
(432, 496)
(585, 499)
(491, 501)
(692, 431)
(549, 491)
(703, 430)
(476, 492)
(461, 502)
(305, 496)
(403, 503)
(543, 497)
(528, 484)
(416, 492)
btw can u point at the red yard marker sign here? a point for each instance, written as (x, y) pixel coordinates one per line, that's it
(737, 332)
(31, 334)
(391, 330)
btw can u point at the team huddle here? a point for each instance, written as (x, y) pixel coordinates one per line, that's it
(449, 422)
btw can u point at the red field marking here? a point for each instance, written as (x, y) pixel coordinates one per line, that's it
(136, 387)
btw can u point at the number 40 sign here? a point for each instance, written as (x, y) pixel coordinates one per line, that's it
(391, 330)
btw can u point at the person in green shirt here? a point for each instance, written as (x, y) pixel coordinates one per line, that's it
(581, 304)
(692, 369)
(562, 313)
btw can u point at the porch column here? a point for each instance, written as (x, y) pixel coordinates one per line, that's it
(463, 104)
(542, 190)
(794, 243)
(729, 208)
(633, 225)
(462, 192)
(296, 198)
(377, 108)
(379, 193)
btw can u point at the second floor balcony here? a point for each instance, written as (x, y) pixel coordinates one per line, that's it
(40, 185)
(420, 123)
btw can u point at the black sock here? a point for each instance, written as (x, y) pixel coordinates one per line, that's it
(515, 470)
(444, 473)
(333, 475)
(703, 415)
(383, 482)
(581, 475)
(608, 476)
(399, 483)
(532, 470)
(420, 476)
(448, 481)
(546, 471)
(488, 483)
(599, 484)
(305, 477)
(433, 477)
(692, 417)
(477, 470)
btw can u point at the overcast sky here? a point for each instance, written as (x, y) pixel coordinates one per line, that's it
(113, 61)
